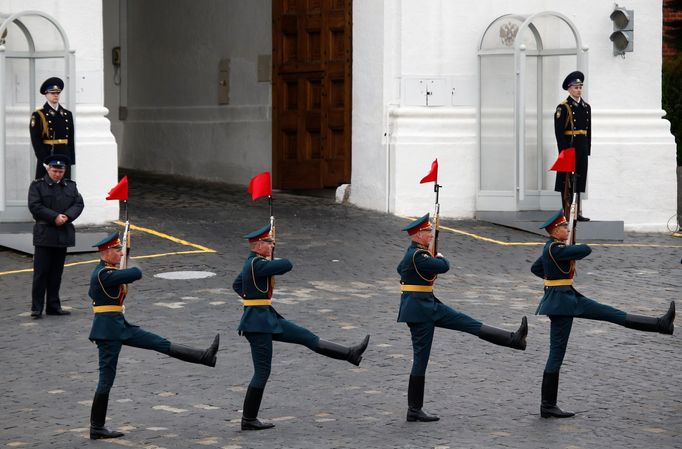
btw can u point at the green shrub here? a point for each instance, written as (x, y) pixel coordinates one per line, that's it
(672, 99)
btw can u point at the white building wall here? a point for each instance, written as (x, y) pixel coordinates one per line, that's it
(174, 123)
(632, 167)
(96, 169)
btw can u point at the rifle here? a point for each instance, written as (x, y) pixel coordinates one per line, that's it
(433, 247)
(125, 241)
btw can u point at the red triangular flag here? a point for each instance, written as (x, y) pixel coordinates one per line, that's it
(433, 174)
(119, 191)
(260, 186)
(565, 162)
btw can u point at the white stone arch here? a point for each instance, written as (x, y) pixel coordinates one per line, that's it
(507, 138)
(32, 26)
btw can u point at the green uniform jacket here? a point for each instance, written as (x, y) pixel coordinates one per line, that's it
(108, 288)
(418, 267)
(254, 282)
(556, 263)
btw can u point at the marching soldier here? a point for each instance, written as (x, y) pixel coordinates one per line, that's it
(561, 302)
(52, 128)
(261, 324)
(54, 203)
(573, 129)
(423, 312)
(110, 330)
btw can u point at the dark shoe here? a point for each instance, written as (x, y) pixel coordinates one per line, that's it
(187, 354)
(98, 415)
(581, 218)
(100, 433)
(58, 312)
(665, 323)
(255, 424)
(552, 411)
(415, 401)
(519, 337)
(335, 351)
(550, 389)
(514, 340)
(252, 401)
(355, 355)
(414, 415)
(36, 315)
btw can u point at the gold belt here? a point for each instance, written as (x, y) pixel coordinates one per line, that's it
(257, 302)
(103, 309)
(577, 132)
(558, 282)
(56, 141)
(416, 288)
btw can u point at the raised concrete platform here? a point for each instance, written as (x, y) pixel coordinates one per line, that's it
(19, 237)
(530, 221)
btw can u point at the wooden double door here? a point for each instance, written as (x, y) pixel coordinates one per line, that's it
(311, 63)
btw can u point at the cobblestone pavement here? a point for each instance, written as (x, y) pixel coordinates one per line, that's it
(625, 385)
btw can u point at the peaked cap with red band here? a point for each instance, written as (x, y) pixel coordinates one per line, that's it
(110, 241)
(420, 224)
(260, 234)
(555, 220)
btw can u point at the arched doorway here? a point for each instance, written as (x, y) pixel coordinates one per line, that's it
(33, 47)
(522, 60)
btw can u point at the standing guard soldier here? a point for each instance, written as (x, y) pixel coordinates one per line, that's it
(52, 128)
(573, 129)
(110, 330)
(261, 324)
(561, 302)
(54, 203)
(423, 312)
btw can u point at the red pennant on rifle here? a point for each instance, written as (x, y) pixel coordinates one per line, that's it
(260, 186)
(433, 174)
(565, 162)
(119, 191)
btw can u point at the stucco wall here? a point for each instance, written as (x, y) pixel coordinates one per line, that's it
(632, 167)
(175, 124)
(96, 169)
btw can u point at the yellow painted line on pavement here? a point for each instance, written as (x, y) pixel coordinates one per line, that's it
(200, 249)
(168, 237)
(501, 243)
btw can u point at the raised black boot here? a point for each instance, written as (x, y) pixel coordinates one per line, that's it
(663, 325)
(250, 419)
(352, 354)
(514, 340)
(415, 401)
(550, 389)
(98, 415)
(186, 354)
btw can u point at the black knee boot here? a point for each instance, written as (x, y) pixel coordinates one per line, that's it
(250, 419)
(207, 357)
(663, 325)
(514, 340)
(550, 389)
(415, 401)
(98, 415)
(352, 354)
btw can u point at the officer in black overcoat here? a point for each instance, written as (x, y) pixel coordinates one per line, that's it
(52, 128)
(110, 330)
(54, 203)
(573, 129)
(423, 312)
(561, 302)
(261, 324)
